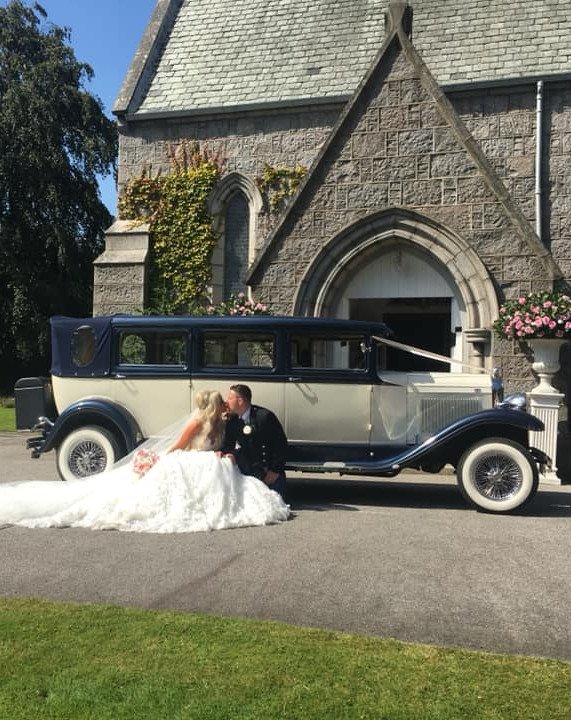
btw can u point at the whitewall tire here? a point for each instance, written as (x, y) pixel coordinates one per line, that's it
(497, 475)
(86, 451)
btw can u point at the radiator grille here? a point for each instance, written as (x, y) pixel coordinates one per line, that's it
(440, 410)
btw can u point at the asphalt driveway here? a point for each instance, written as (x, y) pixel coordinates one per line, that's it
(402, 558)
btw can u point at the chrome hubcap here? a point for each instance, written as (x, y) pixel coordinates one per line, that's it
(87, 458)
(498, 477)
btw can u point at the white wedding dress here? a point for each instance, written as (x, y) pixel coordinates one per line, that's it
(186, 491)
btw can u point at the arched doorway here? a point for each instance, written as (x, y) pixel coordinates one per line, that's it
(405, 288)
(414, 274)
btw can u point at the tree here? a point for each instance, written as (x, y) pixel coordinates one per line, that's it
(54, 141)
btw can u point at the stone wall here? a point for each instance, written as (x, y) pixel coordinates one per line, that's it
(119, 277)
(401, 154)
(246, 142)
(501, 120)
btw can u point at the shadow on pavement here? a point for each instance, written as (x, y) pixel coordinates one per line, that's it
(325, 494)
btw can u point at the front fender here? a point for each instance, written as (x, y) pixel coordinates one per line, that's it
(448, 444)
(94, 411)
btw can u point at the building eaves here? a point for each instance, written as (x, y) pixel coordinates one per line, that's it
(142, 68)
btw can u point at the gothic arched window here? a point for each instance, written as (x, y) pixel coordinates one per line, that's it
(236, 243)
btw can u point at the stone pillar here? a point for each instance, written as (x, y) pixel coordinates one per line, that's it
(545, 401)
(479, 341)
(119, 283)
(545, 406)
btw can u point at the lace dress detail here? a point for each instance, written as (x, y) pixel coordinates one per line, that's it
(186, 491)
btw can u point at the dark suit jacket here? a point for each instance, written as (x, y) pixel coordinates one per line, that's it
(263, 449)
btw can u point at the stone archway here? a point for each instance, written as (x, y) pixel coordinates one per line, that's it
(450, 255)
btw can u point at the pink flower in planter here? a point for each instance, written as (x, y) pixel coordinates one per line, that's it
(545, 314)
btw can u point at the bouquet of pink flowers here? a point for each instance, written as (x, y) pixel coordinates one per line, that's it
(544, 314)
(143, 461)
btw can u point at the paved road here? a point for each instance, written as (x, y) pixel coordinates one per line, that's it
(400, 558)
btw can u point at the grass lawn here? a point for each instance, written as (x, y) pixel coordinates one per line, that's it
(7, 419)
(86, 661)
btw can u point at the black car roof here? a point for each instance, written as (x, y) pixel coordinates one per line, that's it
(65, 329)
(275, 321)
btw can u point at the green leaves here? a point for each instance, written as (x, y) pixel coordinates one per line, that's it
(54, 142)
(182, 236)
(277, 185)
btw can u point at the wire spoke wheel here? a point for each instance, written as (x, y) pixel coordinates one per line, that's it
(86, 451)
(87, 458)
(498, 477)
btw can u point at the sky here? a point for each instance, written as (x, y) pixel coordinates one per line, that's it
(104, 34)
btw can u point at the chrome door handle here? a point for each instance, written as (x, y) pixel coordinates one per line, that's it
(294, 379)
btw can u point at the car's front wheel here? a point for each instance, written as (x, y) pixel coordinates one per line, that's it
(497, 475)
(86, 451)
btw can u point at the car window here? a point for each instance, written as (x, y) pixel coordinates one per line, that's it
(328, 352)
(152, 347)
(238, 350)
(83, 346)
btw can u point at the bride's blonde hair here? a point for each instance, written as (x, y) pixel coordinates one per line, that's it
(210, 407)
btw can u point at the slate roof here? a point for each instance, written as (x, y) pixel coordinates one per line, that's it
(226, 53)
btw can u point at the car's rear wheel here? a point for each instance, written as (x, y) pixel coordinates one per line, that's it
(86, 451)
(497, 475)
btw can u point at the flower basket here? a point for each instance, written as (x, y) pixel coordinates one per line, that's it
(143, 461)
(545, 314)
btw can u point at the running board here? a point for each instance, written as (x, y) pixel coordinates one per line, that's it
(346, 468)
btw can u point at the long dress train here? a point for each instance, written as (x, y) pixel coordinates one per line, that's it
(186, 491)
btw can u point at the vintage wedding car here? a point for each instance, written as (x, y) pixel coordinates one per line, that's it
(333, 383)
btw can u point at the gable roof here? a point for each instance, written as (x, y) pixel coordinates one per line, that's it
(197, 56)
(356, 109)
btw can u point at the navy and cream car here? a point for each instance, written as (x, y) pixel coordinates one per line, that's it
(335, 385)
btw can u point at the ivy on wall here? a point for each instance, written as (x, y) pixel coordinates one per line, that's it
(182, 237)
(181, 233)
(277, 185)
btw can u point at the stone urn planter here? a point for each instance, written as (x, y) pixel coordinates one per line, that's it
(545, 362)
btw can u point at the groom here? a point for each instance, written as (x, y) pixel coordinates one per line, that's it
(255, 437)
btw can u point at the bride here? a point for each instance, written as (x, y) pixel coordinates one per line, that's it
(189, 488)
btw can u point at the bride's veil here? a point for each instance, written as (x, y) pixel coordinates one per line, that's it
(158, 443)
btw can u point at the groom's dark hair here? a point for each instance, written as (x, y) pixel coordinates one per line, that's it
(243, 391)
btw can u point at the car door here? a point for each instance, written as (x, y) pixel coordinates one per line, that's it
(229, 356)
(328, 393)
(150, 376)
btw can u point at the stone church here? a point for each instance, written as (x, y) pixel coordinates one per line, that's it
(437, 141)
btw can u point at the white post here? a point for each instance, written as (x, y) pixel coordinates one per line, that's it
(545, 401)
(545, 406)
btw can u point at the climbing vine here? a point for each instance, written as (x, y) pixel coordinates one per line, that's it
(182, 237)
(277, 185)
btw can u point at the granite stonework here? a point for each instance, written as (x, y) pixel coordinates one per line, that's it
(423, 170)
(119, 275)
(396, 149)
